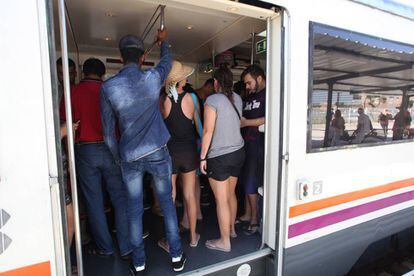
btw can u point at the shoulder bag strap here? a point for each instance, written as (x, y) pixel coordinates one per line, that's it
(234, 106)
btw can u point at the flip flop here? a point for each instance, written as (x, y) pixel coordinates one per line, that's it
(233, 235)
(196, 242)
(211, 246)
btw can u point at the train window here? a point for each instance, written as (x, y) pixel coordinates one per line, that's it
(361, 90)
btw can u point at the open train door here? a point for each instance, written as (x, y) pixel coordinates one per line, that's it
(275, 157)
(224, 39)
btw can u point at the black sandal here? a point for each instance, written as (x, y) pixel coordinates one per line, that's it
(183, 229)
(253, 228)
(241, 222)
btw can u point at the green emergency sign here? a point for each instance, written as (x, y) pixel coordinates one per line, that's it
(261, 46)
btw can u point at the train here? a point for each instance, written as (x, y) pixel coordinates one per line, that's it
(323, 201)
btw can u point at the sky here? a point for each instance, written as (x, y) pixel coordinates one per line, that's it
(406, 2)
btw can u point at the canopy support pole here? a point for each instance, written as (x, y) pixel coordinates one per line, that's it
(328, 114)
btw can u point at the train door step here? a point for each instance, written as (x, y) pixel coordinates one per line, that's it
(408, 264)
(411, 273)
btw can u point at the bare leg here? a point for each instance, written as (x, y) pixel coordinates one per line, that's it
(70, 222)
(184, 220)
(188, 182)
(198, 194)
(174, 186)
(233, 203)
(221, 191)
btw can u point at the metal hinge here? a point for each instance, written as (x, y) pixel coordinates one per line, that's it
(285, 157)
(53, 180)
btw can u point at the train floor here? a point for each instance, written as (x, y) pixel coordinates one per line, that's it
(159, 262)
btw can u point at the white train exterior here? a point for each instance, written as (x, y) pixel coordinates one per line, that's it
(357, 194)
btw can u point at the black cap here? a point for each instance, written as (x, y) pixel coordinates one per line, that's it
(131, 41)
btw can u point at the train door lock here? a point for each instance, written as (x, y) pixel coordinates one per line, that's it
(304, 188)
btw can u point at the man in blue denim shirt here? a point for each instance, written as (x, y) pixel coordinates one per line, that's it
(131, 99)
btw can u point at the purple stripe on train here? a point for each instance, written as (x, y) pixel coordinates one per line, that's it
(349, 213)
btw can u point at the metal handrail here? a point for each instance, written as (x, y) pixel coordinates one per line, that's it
(72, 170)
(146, 30)
(152, 21)
(252, 48)
(162, 27)
(144, 36)
(74, 40)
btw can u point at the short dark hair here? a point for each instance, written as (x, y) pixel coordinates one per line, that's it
(255, 71)
(93, 66)
(70, 61)
(209, 82)
(188, 88)
(131, 54)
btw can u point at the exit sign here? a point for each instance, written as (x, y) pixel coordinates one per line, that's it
(261, 46)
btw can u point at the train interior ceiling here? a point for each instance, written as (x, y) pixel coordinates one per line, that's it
(194, 33)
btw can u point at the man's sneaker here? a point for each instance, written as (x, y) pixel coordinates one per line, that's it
(178, 263)
(135, 271)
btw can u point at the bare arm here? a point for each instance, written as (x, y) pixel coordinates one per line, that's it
(63, 129)
(197, 119)
(252, 122)
(210, 116)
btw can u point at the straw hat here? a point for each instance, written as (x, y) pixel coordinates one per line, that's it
(178, 73)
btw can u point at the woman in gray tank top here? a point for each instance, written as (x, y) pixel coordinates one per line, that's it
(222, 153)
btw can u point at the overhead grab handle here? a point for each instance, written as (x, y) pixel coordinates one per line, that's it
(162, 20)
(151, 22)
(161, 16)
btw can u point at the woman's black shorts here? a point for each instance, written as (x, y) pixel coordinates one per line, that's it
(222, 167)
(184, 159)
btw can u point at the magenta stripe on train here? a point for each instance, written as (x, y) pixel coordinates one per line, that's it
(309, 225)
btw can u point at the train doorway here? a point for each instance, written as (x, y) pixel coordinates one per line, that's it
(201, 35)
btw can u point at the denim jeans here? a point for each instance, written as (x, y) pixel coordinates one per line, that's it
(97, 170)
(158, 164)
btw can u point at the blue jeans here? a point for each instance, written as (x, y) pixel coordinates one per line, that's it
(95, 163)
(158, 164)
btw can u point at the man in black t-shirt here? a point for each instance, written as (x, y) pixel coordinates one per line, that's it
(253, 116)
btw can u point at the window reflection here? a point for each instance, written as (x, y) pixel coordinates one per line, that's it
(362, 89)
